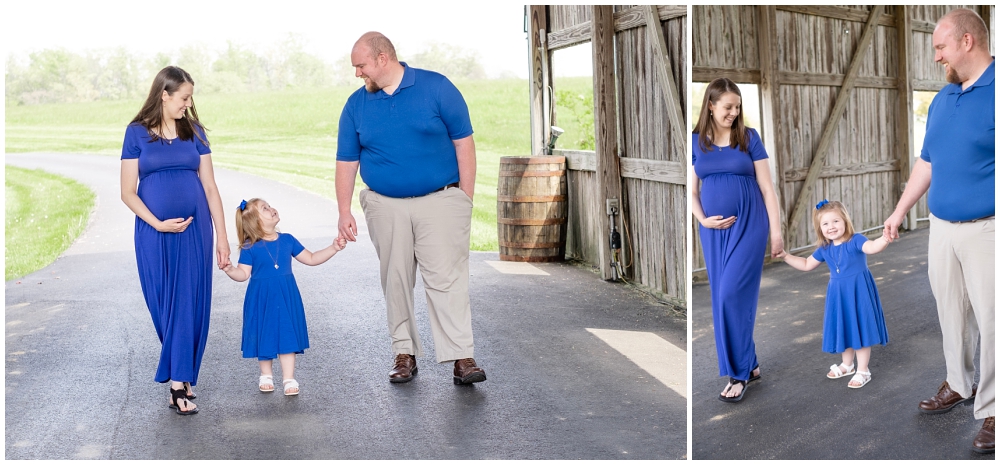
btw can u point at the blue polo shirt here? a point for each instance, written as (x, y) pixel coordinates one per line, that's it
(404, 140)
(960, 146)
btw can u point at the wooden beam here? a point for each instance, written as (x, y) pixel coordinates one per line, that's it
(539, 88)
(836, 80)
(802, 204)
(672, 172)
(927, 85)
(838, 12)
(770, 99)
(570, 36)
(904, 123)
(853, 169)
(605, 128)
(737, 75)
(578, 160)
(661, 60)
(631, 18)
(917, 25)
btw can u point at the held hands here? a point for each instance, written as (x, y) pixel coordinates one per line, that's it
(891, 231)
(718, 222)
(222, 255)
(339, 243)
(348, 227)
(777, 247)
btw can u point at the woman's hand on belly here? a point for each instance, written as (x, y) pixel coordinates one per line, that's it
(173, 225)
(718, 222)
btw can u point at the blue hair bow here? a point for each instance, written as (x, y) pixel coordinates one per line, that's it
(818, 205)
(243, 205)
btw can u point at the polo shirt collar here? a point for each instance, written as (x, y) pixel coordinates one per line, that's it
(984, 80)
(409, 77)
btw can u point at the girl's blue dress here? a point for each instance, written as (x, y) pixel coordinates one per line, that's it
(274, 320)
(853, 308)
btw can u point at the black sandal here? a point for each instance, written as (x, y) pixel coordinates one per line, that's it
(178, 395)
(191, 396)
(733, 382)
(752, 377)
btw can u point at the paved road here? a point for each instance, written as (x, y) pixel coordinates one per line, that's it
(795, 412)
(578, 368)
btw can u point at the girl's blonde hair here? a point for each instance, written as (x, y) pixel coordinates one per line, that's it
(826, 207)
(248, 228)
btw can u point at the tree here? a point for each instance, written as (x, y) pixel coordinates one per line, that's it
(450, 60)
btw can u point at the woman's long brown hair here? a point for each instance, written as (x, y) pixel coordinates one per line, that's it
(150, 115)
(705, 128)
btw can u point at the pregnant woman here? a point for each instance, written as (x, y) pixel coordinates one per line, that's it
(167, 181)
(734, 201)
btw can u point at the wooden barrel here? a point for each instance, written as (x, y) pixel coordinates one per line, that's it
(532, 208)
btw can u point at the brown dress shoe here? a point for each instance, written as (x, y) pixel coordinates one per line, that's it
(944, 400)
(984, 440)
(403, 369)
(466, 372)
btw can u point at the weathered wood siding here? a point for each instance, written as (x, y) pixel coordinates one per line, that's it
(650, 153)
(655, 209)
(813, 50)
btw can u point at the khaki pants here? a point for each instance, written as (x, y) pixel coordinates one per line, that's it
(431, 232)
(960, 265)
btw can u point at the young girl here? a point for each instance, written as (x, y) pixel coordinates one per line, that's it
(853, 321)
(274, 322)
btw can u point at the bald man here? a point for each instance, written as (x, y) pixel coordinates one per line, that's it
(960, 149)
(409, 132)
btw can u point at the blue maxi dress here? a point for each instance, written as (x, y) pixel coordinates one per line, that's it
(734, 257)
(853, 317)
(175, 269)
(274, 320)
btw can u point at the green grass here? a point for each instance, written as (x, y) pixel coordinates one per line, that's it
(44, 215)
(291, 136)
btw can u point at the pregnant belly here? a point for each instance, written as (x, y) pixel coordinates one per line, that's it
(172, 194)
(728, 195)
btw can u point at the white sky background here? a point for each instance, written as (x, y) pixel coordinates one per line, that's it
(327, 29)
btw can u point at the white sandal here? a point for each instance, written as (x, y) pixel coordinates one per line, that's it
(291, 384)
(839, 372)
(267, 380)
(863, 377)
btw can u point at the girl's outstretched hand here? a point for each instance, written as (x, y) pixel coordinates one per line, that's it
(339, 243)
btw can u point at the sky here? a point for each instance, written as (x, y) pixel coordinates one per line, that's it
(327, 29)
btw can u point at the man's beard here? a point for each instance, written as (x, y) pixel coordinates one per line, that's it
(371, 87)
(952, 76)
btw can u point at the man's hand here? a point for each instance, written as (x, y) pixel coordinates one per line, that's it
(348, 227)
(892, 224)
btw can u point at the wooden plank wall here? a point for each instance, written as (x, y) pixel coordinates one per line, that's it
(815, 46)
(655, 209)
(859, 163)
(653, 196)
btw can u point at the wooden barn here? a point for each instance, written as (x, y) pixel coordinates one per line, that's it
(639, 100)
(836, 88)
